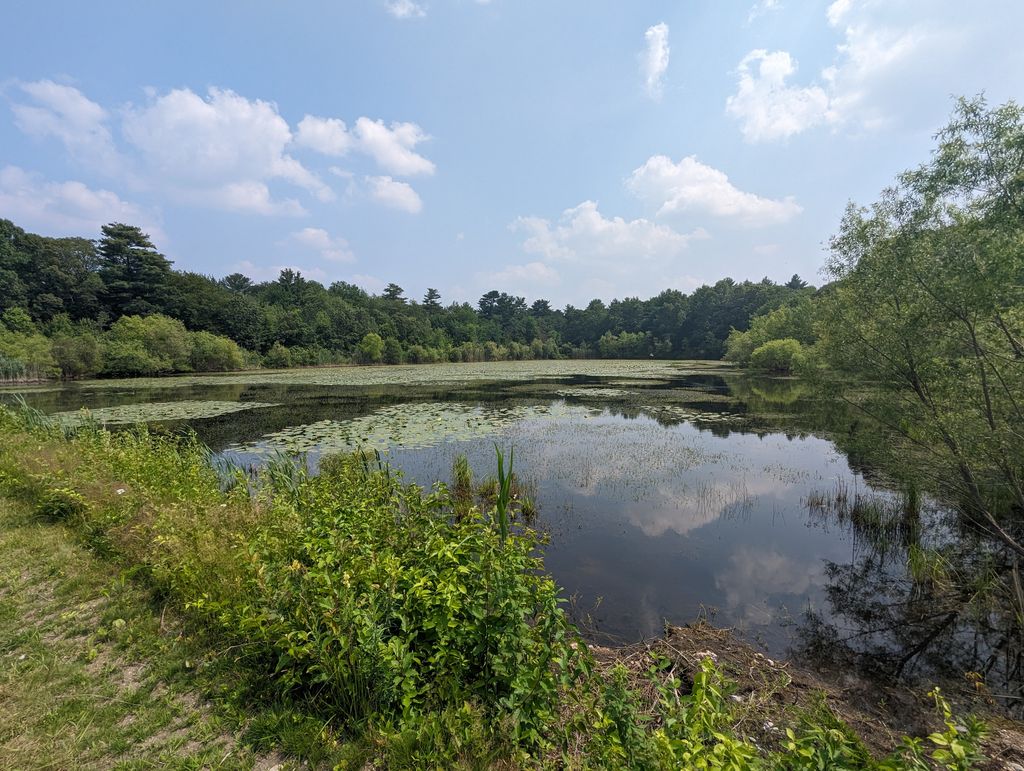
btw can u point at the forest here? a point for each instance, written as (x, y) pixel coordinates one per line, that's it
(74, 307)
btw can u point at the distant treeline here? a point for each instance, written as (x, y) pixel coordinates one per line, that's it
(114, 306)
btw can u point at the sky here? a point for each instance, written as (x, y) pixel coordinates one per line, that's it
(553, 149)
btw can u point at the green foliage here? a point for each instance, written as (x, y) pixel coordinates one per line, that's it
(794, 321)
(29, 355)
(77, 355)
(211, 353)
(393, 351)
(122, 274)
(133, 273)
(371, 348)
(278, 357)
(929, 304)
(954, 748)
(780, 356)
(144, 346)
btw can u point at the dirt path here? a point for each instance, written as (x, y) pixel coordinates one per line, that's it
(92, 674)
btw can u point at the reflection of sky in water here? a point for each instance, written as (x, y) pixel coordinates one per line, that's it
(648, 522)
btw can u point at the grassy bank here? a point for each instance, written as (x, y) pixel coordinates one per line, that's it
(95, 674)
(349, 619)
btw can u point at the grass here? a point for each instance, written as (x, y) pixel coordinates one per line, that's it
(94, 674)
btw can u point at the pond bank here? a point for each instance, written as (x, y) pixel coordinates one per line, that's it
(386, 626)
(772, 694)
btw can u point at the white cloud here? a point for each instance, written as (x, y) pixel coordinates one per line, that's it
(325, 135)
(766, 106)
(405, 9)
(691, 186)
(393, 147)
(332, 248)
(837, 11)
(761, 7)
(598, 256)
(654, 59)
(249, 196)
(221, 149)
(397, 195)
(64, 113)
(893, 61)
(66, 208)
(531, 275)
(583, 234)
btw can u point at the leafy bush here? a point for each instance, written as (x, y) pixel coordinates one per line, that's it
(278, 357)
(136, 345)
(783, 356)
(212, 353)
(371, 348)
(389, 606)
(789, 321)
(77, 355)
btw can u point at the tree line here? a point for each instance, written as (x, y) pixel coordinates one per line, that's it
(116, 306)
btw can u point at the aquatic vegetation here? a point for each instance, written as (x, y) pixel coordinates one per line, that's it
(433, 374)
(149, 412)
(412, 425)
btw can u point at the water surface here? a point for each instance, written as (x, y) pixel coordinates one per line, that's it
(667, 490)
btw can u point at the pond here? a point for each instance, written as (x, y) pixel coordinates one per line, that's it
(668, 490)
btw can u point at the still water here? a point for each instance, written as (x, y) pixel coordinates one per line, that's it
(667, 492)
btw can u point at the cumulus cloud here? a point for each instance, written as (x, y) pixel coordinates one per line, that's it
(532, 274)
(405, 9)
(692, 186)
(599, 255)
(221, 149)
(837, 11)
(584, 234)
(66, 114)
(69, 207)
(397, 195)
(325, 135)
(767, 106)
(393, 147)
(654, 59)
(893, 61)
(331, 248)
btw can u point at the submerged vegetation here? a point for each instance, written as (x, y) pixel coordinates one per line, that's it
(405, 625)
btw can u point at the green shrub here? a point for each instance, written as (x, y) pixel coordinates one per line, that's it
(783, 356)
(389, 606)
(77, 355)
(371, 348)
(213, 353)
(278, 357)
(144, 346)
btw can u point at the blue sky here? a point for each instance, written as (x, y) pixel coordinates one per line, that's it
(558, 149)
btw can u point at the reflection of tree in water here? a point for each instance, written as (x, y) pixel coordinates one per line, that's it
(943, 610)
(926, 593)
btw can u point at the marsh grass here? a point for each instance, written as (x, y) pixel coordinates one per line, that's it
(884, 519)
